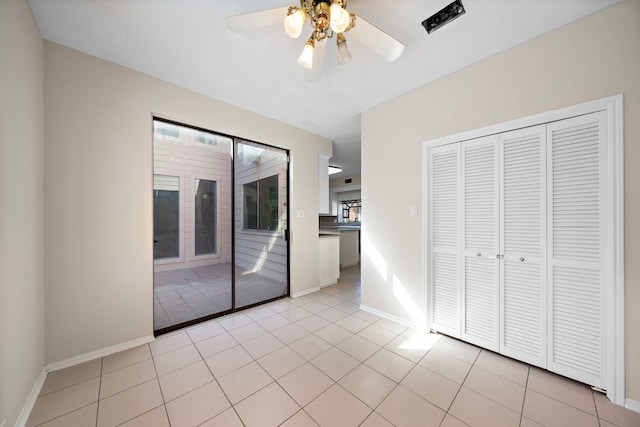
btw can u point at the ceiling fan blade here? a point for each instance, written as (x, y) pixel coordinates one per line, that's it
(313, 75)
(376, 39)
(255, 20)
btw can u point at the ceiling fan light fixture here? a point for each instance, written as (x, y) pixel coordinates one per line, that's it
(306, 57)
(294, 22)
(340, 18)
(344, 55)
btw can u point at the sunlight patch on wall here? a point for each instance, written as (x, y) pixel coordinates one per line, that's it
(417, 317)
(262, 258)
(376, 258)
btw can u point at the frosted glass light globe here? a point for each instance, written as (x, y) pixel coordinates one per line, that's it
(293, 23)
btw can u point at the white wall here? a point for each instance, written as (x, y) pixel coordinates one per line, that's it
(21, 207)
(98, 226)
(593, 58)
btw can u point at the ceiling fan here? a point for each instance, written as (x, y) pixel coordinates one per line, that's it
(327, 18)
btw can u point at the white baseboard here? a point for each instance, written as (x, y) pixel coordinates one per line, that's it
(632, 405)
(76, 360)
(23, 417)
(387, 316)
(305, 292)
(329, 283)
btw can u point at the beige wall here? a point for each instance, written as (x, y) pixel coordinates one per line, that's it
(593, 58)
(338, 183)
(98, 227)
(21, 207)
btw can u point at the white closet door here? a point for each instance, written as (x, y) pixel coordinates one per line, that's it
(522, 237)
(444, 268)
(480, 240)
(576, 212)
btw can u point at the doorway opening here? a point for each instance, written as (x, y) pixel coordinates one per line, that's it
(220, 215)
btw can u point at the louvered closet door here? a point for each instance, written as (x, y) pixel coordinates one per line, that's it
(480, 239)
(522, 238)
(444, 182)
(576, 211)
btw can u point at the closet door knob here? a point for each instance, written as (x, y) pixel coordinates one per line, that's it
(521, 259)
(478, 254)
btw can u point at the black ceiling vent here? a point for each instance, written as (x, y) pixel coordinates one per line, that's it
(443, 16)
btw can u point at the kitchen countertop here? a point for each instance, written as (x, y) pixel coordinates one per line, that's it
(340, 228)
(336, 230)
(329, 233)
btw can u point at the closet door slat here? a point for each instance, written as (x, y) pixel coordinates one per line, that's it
(576, 165)
(444, 182)
(480, 240)
(522, 237)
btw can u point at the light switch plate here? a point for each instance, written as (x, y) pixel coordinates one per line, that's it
(414, 211)
(299, 213)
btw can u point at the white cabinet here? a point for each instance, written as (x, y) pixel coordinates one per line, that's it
(323, 185)
(515, 244)
(349, 247)
(329, 259)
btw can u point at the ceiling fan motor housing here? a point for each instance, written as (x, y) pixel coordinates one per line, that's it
(321, 19)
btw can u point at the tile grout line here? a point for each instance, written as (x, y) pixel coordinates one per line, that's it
(544, 393)
(461, 384)
(99, 390)
(214, 380)
(309, 333)
(164, 403)
(275, 381)
(397, 383)
(595, 406)
(524, 398)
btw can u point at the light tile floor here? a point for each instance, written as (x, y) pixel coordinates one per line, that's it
(315, 360)
(191, 293)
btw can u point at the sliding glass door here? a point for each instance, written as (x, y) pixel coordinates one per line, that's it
(219, 224)
(261, 200)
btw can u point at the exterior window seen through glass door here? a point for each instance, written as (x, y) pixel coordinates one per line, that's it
(205, 217)
(166, 216)
(261, 204)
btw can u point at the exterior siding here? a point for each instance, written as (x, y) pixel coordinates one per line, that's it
(264, 252)
(189, 160)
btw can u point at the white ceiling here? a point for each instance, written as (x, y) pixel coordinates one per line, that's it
(186, 42)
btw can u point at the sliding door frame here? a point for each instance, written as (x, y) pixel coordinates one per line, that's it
(234, 141)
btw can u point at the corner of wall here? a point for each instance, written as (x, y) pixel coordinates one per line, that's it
(21, 211)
